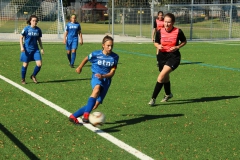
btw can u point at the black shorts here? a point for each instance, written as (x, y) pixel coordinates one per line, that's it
(170, 59)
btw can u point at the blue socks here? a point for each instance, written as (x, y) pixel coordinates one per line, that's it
(23, 72)
(36, 70)
(86, 109)
(73, 58)
(69, 57)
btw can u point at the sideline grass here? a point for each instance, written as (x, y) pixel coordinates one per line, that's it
(200, 122)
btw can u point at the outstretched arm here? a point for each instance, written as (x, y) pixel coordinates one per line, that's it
(79, 68)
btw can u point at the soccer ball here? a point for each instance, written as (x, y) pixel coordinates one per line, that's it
(97, 119)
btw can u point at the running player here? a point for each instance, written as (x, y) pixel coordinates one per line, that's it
(167, 42)
(29, 49)
(70, 38)
(157, 25)
(104, 63)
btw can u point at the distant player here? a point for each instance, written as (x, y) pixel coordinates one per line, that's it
(157, 25)
(104, 63)
(71, 37)
(167, 42)
(29, 49)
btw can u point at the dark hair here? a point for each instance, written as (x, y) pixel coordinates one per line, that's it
(170, 15)
(30, 18)
(160, 12)
(107, 38)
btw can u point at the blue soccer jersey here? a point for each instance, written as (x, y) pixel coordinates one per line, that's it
(102, 63)
(73, 31)
(31, 36)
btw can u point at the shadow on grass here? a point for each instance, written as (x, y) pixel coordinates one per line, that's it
(139, 119)
(18, 143)
(196, 100)
(65, 80)
(184, 63)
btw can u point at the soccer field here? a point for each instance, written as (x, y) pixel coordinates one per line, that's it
(201, 121)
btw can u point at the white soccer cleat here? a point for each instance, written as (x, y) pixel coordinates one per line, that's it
(167, 97)
(152, 102)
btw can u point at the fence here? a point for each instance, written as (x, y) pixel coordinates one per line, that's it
(198, 21)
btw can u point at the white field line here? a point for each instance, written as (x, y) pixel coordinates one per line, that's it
(105, 135)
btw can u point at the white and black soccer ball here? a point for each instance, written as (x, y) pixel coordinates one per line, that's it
(97, 119)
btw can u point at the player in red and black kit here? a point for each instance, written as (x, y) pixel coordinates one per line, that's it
(167, 42)
(157, 25)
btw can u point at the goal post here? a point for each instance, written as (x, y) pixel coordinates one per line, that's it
(14, 14)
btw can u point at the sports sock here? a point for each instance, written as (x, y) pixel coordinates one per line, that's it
(36, 70)
(69, 57)
(90, 105)
(79, 112)
(157, 89)
(23, 72)
(73, 58)
(167, 88)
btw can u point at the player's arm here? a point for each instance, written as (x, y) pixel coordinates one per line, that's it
(154, 30)
(108, 75)
(40, 44)
(21, 43)
(79, 68)
(80, 37)
(157, 42)
(65, 37)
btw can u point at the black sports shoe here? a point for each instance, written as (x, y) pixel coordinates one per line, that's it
(71, 65)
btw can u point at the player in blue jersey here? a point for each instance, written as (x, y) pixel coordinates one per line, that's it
(72, 32)
(31, 35)
(104, 63)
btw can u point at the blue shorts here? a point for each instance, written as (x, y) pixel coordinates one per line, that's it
(30, 56)
(70, 45)
(104, 83)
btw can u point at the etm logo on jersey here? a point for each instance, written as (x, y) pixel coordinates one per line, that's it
(71, 27)
(33, 33)
(105, 63)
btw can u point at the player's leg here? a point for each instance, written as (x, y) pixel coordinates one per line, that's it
(73, 54)
(68, 49)
(24, 58)
(23, 72)
(162, 77)
(38, 59)
(173, 62)
(106, 84)
(85, 110)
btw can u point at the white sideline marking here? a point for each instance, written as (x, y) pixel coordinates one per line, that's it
(98, 131)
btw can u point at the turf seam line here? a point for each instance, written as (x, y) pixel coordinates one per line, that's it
(98, 131)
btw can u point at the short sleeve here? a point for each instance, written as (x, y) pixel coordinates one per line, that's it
(40, 33)
(23, 33)
(155, 24)
(67, 28)
(182, 37)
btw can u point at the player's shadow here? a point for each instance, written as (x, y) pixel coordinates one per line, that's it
(196, 100)
(65, 80)
(18, 143)
(138, 119)
(184, 63)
